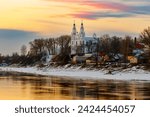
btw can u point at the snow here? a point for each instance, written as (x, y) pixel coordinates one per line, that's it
(76, 72)
(138, 52)
(48, 58)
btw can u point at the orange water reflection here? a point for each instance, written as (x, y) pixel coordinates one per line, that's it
(16, 86)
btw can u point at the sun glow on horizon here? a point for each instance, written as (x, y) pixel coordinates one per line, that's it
(55, 17)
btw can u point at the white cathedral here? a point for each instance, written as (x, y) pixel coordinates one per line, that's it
(80, 44)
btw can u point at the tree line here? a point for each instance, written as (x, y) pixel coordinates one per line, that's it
(61, 47)
(38, 50)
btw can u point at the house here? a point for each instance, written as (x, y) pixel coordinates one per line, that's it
(81, 59)
(140, 54)
(133, 59)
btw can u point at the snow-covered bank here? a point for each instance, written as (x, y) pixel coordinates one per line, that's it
(127, 74)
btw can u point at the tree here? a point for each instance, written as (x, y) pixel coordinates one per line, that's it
(105, 43)
(115, 45)
(145, 36)
(50, 44)
(1, 58)
(63, 42)
(126, 49)
(23, 50)
(37, 46)
(15, 58)
(89, 46)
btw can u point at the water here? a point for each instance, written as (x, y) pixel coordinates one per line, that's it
(19, 86)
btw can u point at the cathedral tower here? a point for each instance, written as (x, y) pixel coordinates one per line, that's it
(73, 39)
(77, 40)
(82, 32)
(74, 30)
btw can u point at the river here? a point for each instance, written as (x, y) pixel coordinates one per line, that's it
(20, 86)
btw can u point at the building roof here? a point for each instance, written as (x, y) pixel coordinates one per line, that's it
(88, 39)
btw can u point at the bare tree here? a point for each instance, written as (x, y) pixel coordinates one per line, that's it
(126, 49)
(23, 50)
(64, 42)
(37, 46)
(145, 36)
(1, 58)
(50, 44)
(105, 43)
(115, 45)
(15, 57)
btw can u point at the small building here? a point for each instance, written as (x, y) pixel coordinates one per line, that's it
(139, 55)
(133, 59)
(80, 59)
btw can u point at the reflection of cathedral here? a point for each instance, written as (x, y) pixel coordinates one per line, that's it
(80, 44)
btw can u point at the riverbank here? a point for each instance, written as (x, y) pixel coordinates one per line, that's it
(133, 73)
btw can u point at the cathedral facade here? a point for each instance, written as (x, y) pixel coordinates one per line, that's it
(80, 44)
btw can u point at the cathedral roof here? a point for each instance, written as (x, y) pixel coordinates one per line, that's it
(89, 39)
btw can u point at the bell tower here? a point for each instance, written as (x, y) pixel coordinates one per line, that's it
(73, 39)
(74, 30)
(82, 32)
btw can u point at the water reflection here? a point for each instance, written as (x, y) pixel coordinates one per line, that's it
(25, 86)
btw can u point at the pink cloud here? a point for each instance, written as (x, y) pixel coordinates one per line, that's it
(74, 1)
(96, 15)
(97, 4)
(82, 15)
(107, 5)
(99, 9)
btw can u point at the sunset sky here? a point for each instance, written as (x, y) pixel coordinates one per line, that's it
(23, 20)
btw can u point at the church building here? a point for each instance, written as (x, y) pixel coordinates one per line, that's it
(80, 43)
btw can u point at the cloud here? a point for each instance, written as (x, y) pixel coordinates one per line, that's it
(96, 4)
(109, 8)
(131, 11)
(145, 10)
(97, 15)
(15, 34)
(106, 5)
(11, 40)
(117, 33)
(50, 22)
(65, 0)
(95, 9)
